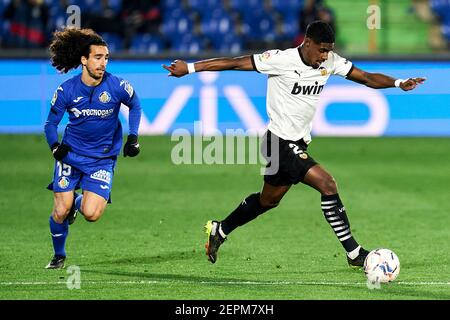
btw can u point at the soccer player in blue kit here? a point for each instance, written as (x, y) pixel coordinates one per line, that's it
(92, 139)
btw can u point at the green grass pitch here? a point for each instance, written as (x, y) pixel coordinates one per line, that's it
(149, 244)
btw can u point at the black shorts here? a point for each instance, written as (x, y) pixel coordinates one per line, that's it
(293, 161)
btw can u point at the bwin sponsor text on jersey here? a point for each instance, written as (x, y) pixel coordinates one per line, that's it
(307, 90)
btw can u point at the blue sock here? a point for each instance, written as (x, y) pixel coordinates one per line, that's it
(59, 234)
(78, 199)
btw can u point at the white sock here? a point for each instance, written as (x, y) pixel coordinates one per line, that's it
(353, 254)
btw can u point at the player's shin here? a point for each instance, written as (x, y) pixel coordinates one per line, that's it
(248, 209)
(334, 212)
(59, 234)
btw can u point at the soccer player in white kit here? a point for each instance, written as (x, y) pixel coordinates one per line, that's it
(296, 76)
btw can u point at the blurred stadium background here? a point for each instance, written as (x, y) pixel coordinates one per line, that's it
(160, 27)
(406, 198)
(413, 41)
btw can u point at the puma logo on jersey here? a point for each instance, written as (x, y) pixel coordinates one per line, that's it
(307, 90)
(77, 99)
(297, 73)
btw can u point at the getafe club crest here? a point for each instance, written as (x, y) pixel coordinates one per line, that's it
(63, 182)
(104, 97)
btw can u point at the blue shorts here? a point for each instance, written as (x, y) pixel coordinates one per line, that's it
(91, 174)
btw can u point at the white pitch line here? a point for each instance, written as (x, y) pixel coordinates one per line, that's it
(253, 283)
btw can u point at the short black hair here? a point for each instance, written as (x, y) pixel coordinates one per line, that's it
(319, 32)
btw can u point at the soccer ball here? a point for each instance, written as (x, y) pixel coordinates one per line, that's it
(381, 266)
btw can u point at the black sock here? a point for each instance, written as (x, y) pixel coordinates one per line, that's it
(248, 210)
(334, 213)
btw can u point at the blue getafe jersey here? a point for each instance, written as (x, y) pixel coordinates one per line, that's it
(94, 128)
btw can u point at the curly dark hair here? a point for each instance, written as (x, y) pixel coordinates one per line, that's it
(69, 45)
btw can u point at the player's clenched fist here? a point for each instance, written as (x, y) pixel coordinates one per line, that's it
(60, 151)
(131, 147)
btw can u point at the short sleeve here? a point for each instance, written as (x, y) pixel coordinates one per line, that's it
(341, 66)
(269, 62)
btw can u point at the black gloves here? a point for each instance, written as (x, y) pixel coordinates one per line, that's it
(60, 150)
(131, 147)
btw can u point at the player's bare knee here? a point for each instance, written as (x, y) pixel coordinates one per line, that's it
(92, 218)
(92, 215)
(60, 213)
(329, 186)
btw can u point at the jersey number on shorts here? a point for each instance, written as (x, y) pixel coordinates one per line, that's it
(63, 169)
(295, 148)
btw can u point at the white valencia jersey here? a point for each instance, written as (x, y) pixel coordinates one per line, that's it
(293, 89)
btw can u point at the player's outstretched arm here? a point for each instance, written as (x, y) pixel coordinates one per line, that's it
(180, 68)
(380, 81)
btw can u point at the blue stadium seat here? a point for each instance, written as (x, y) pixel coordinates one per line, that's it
(54, 3)
(204, 6)
(176, 22)
(441, 8)
(266, 28)
(57, 15)
(59, 21)
(4, 31)
(259, 25)
(116, 5)
(146, 44)
(227, 43)
(3, 5)
(216, 22)
(169, 5)
(90, 6)
(290, 25)
(287, 6)
(445, 28)
(113, 40)
(187, 44)
(245, 6)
